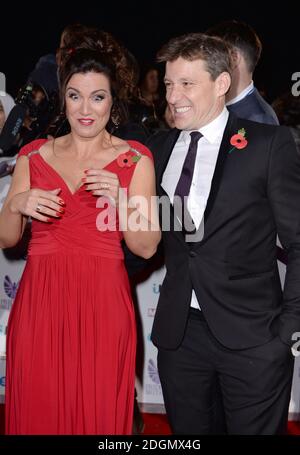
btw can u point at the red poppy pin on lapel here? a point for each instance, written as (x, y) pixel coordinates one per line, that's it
(238, 140)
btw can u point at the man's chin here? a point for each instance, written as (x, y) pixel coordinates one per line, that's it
(180, 125)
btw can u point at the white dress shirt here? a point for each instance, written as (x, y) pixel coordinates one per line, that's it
(207, 154)
(242, 95)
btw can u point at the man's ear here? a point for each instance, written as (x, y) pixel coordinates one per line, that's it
(235, 56)
(223, 82)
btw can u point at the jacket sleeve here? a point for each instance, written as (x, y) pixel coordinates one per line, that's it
(284, 197)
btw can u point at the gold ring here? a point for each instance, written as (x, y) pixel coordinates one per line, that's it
(38, 208)
(104, 186)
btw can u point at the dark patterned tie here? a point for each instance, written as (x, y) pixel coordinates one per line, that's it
(185, 180)
(186, 177)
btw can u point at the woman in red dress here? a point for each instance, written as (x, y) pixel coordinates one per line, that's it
(71, 334)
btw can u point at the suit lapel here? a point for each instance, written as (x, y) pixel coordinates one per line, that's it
(230, 129)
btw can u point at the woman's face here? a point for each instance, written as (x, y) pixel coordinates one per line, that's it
(151, 81)
(88, 103)
(2, 116)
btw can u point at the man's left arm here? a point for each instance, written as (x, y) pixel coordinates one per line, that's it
(284, 196)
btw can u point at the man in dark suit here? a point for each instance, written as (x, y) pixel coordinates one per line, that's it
(222, 321)
(243, 99)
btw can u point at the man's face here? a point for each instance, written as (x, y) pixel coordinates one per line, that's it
(194, 98)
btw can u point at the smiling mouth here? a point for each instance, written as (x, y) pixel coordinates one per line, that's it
(86, 121)
(181, 110)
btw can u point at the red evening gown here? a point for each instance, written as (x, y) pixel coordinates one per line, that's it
(71, 337)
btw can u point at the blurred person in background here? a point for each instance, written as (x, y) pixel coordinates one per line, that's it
(243, 99)
(6, 105)
(149, 105)
(287, 108)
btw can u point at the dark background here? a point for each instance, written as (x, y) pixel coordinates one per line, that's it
(30, 30)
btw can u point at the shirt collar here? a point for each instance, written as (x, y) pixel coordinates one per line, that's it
(242, 95)
(212, 131)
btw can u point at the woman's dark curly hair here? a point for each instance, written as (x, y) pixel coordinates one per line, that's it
(98, 51)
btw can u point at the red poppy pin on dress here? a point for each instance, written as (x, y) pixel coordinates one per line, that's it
(126, 160)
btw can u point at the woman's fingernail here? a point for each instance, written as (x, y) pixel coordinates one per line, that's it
(61, 202)
(61, 210)
(83, 180)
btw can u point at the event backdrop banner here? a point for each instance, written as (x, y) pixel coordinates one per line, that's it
(12, 263)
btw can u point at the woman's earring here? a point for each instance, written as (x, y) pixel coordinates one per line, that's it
(115, 118)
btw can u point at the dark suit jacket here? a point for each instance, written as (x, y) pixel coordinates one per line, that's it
(254, 107)
(255, 194)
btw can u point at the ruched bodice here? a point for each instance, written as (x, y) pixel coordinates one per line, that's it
(79, 227)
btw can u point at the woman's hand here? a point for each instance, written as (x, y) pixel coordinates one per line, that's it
(38, 204)
(102, 183)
